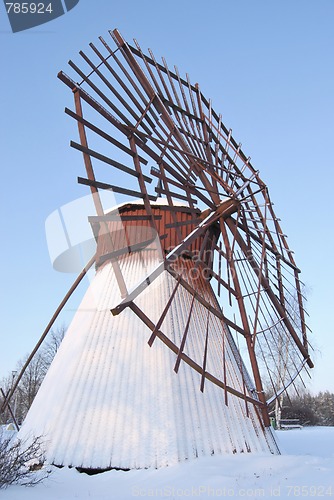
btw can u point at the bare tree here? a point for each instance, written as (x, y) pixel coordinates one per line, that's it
(29, 385)
(32, 377)
(54, 339)
(284, 360)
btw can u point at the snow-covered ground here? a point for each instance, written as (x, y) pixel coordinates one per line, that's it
(305, 469)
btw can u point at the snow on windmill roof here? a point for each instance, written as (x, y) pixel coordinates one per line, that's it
(109, 400)
(159, 202)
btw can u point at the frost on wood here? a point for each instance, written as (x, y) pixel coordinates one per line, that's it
(20, 463)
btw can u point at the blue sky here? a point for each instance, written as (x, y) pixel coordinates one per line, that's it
(268, 67)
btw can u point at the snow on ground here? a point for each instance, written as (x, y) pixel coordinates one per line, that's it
(304, 469)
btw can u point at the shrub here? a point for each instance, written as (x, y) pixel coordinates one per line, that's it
(20, 462)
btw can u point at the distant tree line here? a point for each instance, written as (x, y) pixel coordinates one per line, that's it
(32, 378)
(310, 409)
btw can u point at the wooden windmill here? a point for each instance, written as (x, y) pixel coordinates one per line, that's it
(197, 299)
